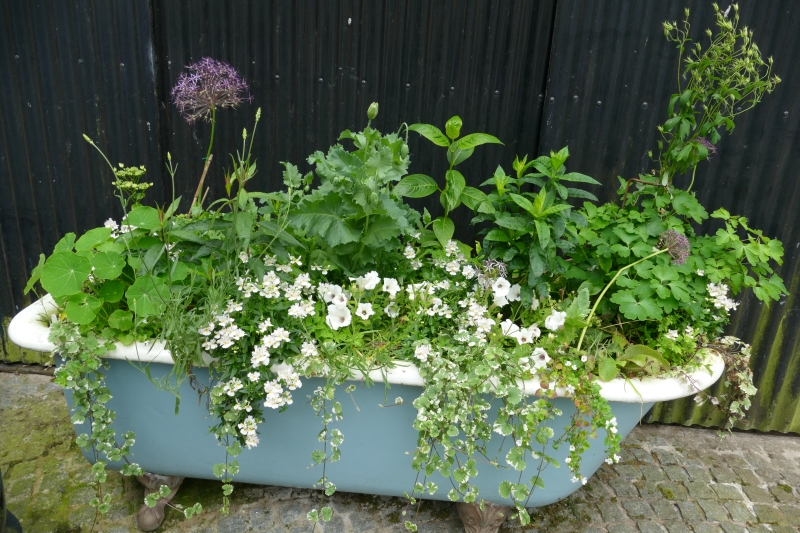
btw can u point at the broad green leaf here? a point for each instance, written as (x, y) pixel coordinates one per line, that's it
(444, 229)
(579, 308)
(64, 273)
(476, 139)
(579, 178)
(497, 235)
(111, 291)
(430, 132)
(459, 156)
(381, 229)
(524, 203)
(144, 217)
(107, 265)
(537, 265)
(552, 210)
(416, 186)
(326, 217)
(36, 274)
(180, 271)
(148, 296)
(92, 238)
(636, 309)
(244, 225)
(121, 320)
(453, 127)
(515, 223)
(455, 185)
(543, 231)
(473, 197)
(607, 369)
(66, 243)
(82, 308)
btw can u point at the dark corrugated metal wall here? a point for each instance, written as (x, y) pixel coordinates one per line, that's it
(539, 75)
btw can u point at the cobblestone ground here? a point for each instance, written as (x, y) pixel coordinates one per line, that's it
(671, 479)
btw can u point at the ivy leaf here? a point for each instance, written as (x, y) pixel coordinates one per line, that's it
(64, 273)
(430, 132)
(636, 309)
(148, 296)
(416, 186)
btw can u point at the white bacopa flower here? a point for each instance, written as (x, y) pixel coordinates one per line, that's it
(206, 331)
(500, 287)
(468, 271)
(391, 286)
(244, 256)
(338, 316)
(254, 376)
(111, 224)
(251, 441)
(422, 352)
(231, 387)
(263, 326)
(451, 248)
(508, 328)
(365, 311)
(298, 310)
(453, 267)
(514, 293)
(224, 320)
(672, 334)
(294, 294)
(209, 345)
(270, 260)
(689, 331)
(303, 281)
(416, 264)
(540, 358)
(409, 252)
(260, 356)
(391, 310)
(309, 350)
(584, 358)
(556, 320)
(701, 272)
(233, 307)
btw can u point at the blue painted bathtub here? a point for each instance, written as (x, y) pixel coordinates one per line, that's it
(376, 453)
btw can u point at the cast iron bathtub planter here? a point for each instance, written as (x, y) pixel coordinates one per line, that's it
(376, 454)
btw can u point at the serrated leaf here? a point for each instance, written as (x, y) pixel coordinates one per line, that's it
(92, 238)
(444, 229)
(476, 139)
(107, 265)
(416, 186)
(64, 273)
(432, 133)
(579, 308)
(326, 217)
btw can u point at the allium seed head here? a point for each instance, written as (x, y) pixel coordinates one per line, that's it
(677, 244)
(209, 85)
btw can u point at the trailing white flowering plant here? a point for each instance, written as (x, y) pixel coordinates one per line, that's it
(268, 289)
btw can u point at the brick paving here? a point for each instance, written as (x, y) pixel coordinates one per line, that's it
(671, 480)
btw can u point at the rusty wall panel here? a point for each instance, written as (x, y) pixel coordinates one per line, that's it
(611, 74)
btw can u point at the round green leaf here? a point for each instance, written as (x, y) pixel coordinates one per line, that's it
(111, 291)
(92, 238)
(121, 320)
(81, 308)
(147, 296)
(64, 273)
(107, 265)
(143, 217)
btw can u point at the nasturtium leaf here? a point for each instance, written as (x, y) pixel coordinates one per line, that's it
(111, 246)
(444, 229)
(82, 308)
(416, 186)
(148, 296)
(180, 271)
(121, 320)
(144, 217)
(107, 265)
(36, 274)
(92, 238)
(64, 273)
(111, 291)
(65, 244)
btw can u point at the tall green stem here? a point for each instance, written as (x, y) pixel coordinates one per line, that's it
(213, 124)
(610, 283)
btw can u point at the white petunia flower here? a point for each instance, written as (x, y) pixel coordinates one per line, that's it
(368, 281)
(508, 328)
(556, 320)
(526, 335)
(328, 291)
(500, 288)
(514, 293)
(338, 316)
(391, 310)
(540, 358)
(340, 299)
(365, 311)
(391, 286)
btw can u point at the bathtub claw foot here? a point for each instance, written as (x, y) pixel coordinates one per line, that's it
(149, 518)
(487, 520)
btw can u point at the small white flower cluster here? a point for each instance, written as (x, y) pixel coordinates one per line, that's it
(224, 337)
(276, 395)
(233, 386)
(582, 479)
(248, 429)
(523, 335)
(611, 425)
(614, 459)
(719, 297)
(423, 351)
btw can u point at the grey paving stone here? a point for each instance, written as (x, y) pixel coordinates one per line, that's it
(780, 528)
(739, 512)
(642, 455)
(759, 528)
(724, 475)
(649, 490)
(769, 514)
(792, 513)
(623, 488)
(361, 523)
(261, 519)
(731, 527)
(628, 471)
(637, 509)
(757, 494)
(653, 473)
(666, 510)
(646, 526)
(676, 473)
(672, 491)
(727, 492)
(747, 476)
(619, 528)
(336, 525)
(234, 523)
(610, 512)
(691, 511)
(667, 458)
(705, 527)
(782, 495)
(699, 473)
(699, 490)
(677, 527)
(713, 510)
(735, 461)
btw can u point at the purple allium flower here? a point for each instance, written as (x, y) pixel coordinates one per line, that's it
(677, 244)
(211, 84)
(710, 147)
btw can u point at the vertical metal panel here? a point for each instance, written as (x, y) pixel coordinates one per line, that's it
(314, 68)
(68, 68)
(614, 53)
